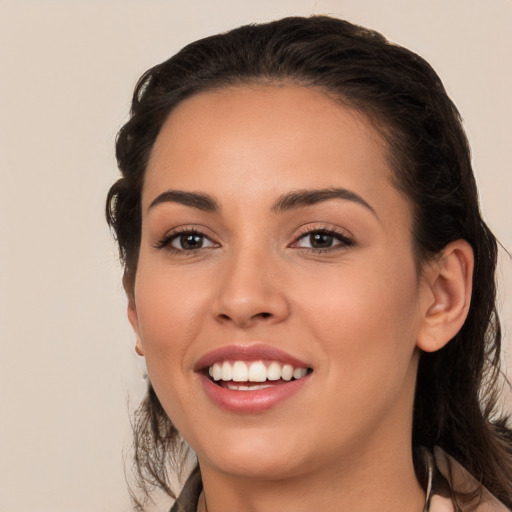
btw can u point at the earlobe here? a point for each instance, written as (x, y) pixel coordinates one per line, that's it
(134, 322)
(449, 283)
(138, 348)
(132, 316)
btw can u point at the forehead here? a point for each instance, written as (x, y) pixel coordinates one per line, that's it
(264, 140)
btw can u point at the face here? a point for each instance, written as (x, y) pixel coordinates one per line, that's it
(277, 255)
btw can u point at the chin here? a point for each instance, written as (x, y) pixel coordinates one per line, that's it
(255, 457)
(258, 466)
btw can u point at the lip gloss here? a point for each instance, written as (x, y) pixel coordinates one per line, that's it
(248, 401)
(251, 401)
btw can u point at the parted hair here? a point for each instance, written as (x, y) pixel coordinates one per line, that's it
(458, 387)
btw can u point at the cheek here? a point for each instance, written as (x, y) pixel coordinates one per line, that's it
(168, 311)
(366, 316)
(168, 322)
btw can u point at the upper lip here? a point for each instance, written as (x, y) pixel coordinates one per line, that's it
(244, 352)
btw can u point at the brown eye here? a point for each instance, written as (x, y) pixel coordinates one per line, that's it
(189, 241)
(185, 241)
(322, 240)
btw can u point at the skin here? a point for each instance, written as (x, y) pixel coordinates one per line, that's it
(356, 312)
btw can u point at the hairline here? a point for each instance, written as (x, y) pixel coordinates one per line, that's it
(363, 108)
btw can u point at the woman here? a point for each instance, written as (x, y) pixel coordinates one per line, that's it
(309, 278)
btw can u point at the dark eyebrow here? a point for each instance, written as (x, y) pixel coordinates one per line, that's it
(193, 199)
(302, 198)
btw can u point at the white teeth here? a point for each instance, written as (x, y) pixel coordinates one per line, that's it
(240, 372)
(241, 387)
(255, 371)
(217, 371)
(298, 373)
(226, 372)
(274, 371)
(287, 372)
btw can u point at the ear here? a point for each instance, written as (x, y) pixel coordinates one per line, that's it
(448, 282)
(132, 313)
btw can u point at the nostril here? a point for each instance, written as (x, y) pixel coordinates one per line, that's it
(244, 320)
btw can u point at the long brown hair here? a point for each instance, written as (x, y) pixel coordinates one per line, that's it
(457, 391)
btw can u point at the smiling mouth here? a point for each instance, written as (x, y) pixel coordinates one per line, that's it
(253, 375)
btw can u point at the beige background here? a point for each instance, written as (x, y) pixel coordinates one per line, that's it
(67, 68)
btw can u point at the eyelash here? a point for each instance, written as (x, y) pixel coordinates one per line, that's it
(344, 240)
(168, 239)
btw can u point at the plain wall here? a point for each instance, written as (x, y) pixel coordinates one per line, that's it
(67, 70)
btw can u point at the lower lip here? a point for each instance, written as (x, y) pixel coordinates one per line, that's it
(251, 401)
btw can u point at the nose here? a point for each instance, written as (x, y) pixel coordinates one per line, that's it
(251, 292)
